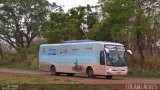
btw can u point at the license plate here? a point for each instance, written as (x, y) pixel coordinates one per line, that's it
(118, 73)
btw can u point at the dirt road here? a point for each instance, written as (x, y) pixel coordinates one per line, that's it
(83, 79)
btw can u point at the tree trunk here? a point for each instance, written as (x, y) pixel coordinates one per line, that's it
(140, 47)
(1, 52)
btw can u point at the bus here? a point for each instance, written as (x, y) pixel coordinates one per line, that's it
(93, 58)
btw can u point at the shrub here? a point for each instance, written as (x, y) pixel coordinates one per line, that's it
(22, 57)
(151, 64)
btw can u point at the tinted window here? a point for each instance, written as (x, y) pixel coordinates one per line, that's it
(102, 58)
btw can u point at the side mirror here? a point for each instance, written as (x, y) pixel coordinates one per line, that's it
(107, 52)
(129, 51)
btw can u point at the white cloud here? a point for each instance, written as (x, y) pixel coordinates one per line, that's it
(68, 4)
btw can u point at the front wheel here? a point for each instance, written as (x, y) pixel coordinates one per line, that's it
(109, 77)
(90, 73)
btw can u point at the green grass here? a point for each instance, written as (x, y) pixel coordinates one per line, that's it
(67, 87)
(56, 79)
(143, 74)
(20, 67)
(28, 82)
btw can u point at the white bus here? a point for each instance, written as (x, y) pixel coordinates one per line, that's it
(94, 58)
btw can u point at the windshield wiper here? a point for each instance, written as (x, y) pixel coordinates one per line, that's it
(119, 59)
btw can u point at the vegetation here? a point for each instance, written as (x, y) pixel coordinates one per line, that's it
(25, 24)
(143, 74)
(24, 59)
(21, 67)
(71, 25)
(133, 23)
(22, 20)
(28, 82)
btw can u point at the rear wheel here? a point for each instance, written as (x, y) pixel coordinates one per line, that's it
(109, 77)
(53, 71)
(90, 73)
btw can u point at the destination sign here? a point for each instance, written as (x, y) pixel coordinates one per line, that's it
(114, 47)
(110, 46)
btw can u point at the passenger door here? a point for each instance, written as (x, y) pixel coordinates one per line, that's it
(100, 70)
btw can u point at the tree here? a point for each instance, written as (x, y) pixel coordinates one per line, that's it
(1, 51)
(84, 18)
(60, 28)
(22, 20)
(143, 27)
(71, 25)
(131, 21)
(116, 20)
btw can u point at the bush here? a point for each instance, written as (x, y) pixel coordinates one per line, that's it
(151, 64)
(22, 57)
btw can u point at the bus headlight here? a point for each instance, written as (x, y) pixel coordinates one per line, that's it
(109, 69)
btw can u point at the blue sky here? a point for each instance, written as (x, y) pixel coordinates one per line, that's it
(68, 4)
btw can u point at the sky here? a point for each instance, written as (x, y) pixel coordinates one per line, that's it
(68, 4)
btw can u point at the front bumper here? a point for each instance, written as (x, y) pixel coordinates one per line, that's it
(116, 71)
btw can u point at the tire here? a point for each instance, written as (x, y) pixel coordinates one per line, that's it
(109, 77)
(53, 71)
(90, 73)
(70, 74)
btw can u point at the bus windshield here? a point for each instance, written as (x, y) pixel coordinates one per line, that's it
(116, 57)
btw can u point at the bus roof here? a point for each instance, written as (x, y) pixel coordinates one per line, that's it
(78, 41)
(82, 42)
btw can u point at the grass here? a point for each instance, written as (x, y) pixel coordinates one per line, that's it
(70, 81)
(143, 74)
(27, 82)
(56, 79)
(20, 67)
(62, 87)
(12, 78)
(69, 87)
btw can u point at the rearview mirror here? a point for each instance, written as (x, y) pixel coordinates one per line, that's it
(129, 51)
(107, 51)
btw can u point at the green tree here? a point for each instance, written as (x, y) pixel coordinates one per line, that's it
(84, 18)
(22, 20)
(60, 28)
(71, 25)
(128, 21)
(116, 20)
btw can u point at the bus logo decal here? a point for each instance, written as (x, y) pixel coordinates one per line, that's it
(63, 51)
(77, 68)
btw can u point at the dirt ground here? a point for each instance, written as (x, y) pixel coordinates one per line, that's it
(46, 77)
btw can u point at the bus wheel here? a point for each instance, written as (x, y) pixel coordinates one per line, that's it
(109, 77)
(53, 70)
(70, 74)
(90, 73)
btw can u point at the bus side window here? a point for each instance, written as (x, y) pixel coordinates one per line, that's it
(102, 58)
